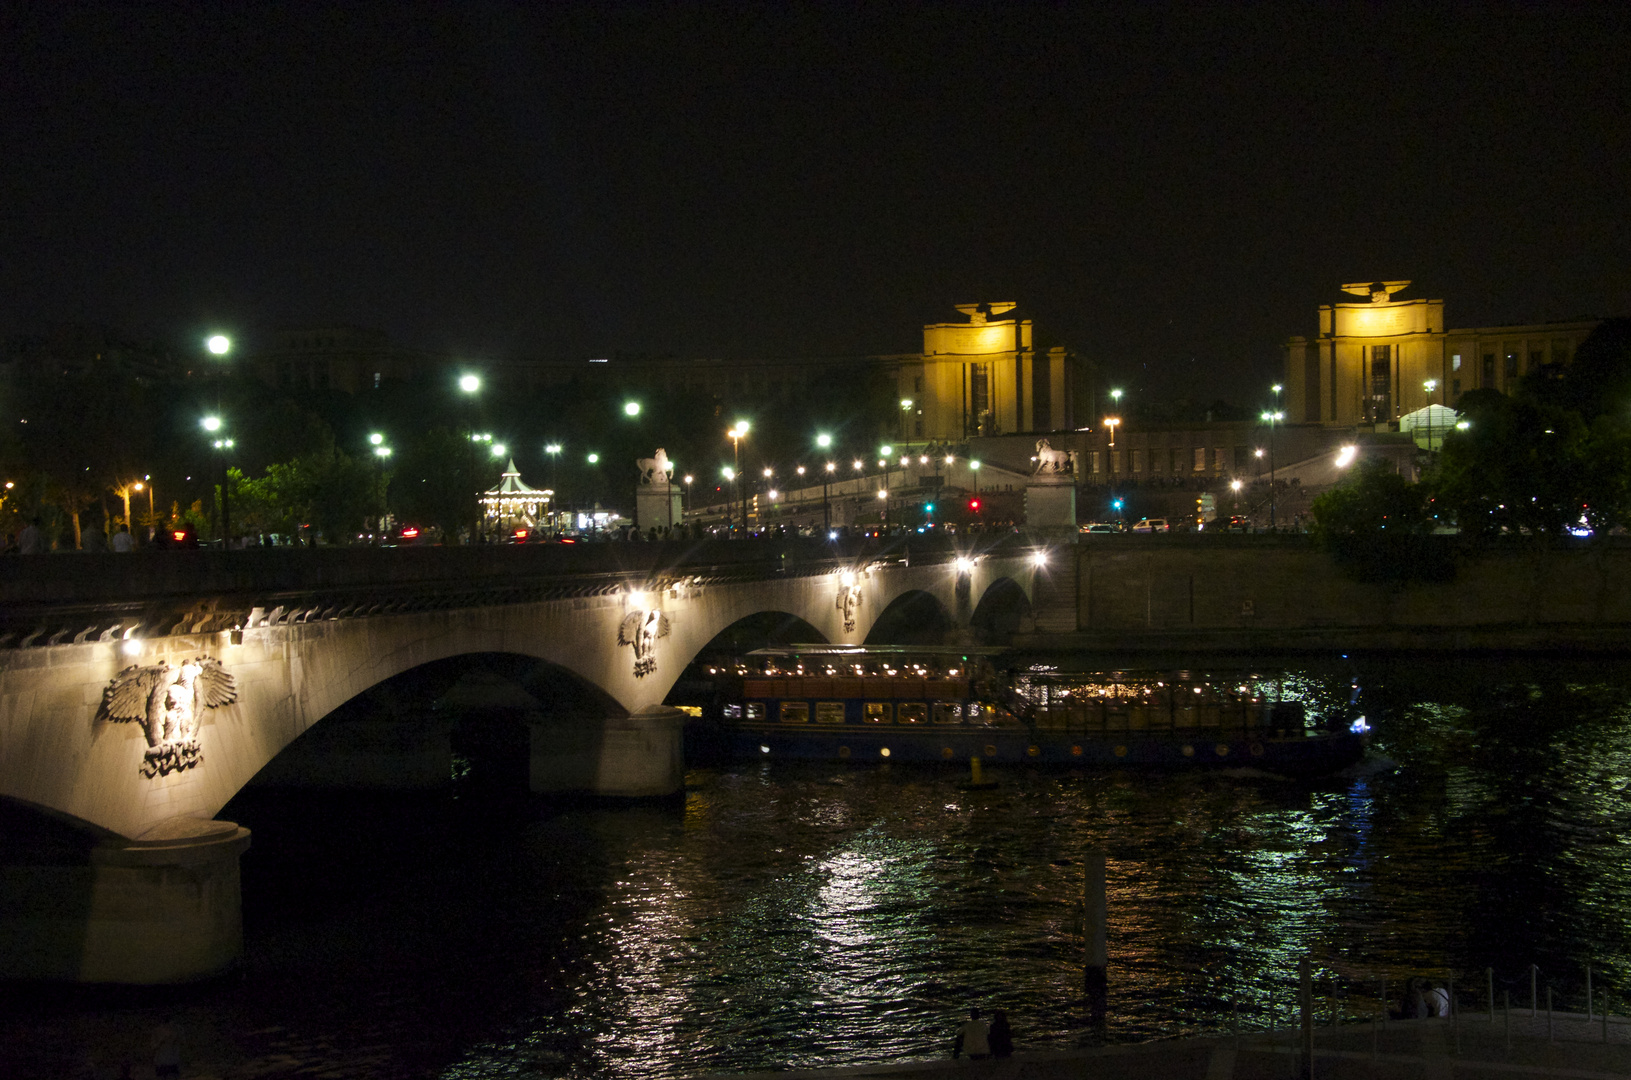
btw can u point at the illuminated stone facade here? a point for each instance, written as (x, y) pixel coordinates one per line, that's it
(1372, 359)
(983, 377)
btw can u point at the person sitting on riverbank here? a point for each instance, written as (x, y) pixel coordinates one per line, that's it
(1001, 1039)
(973, 1038)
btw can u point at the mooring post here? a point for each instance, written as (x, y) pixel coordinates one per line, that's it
(1093, 931)
(1534, 999)
(1306, 999)
(1489, 978)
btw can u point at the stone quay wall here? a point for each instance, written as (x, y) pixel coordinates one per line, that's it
(1257, 593)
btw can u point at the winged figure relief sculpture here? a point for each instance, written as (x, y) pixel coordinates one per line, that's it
(168, 700)
(641, 629)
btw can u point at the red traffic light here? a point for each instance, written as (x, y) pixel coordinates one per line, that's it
(974, 505)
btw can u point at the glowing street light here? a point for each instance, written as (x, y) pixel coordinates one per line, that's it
(593, 459)
(498, 450)
(212, 424)
(824, 440)
(1272, 418)
(1112, 422)
(631, 408)
(218, 344)
(376, 439)
(737, 434)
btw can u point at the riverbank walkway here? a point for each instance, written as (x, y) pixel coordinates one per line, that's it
(1470, 1047)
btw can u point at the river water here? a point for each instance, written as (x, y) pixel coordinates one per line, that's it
(785, 915)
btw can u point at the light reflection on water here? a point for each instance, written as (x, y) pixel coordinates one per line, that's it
(788, 916)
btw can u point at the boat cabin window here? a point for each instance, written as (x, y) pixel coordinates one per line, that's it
(877, 712)
(795, 712)
(733, 712)
(829, 712)
(913, 712)
(756, 710)
(948, 712)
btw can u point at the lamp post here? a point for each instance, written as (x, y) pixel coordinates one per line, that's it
(1272, 418)
(381, 453)
(885, 459)
(737, 434)
(730, 474)
(1430, 385)
(974, 468)
(685, 507)
(470, 386)
(212, 424)
(554, 451)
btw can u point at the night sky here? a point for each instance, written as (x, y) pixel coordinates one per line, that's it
(1172, 190)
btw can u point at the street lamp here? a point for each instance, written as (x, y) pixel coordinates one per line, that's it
(687, 506)
(1272, 418)
(974, 468)
(1430, 385)
(631, 408)
(212, 424)
(218, 344)
(1112, 422)
(826, 478)
(470, 386)
(737, 434)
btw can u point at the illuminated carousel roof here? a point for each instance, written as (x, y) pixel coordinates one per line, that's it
(511, 485)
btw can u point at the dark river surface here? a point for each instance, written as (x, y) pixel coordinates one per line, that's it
(784, 915)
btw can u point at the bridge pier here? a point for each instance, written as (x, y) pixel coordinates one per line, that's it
(163, 909)
(638, 755)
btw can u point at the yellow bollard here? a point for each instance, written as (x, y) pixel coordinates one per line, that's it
(974, 771)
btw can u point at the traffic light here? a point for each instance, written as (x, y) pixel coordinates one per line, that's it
(974, 506)
(928, 508)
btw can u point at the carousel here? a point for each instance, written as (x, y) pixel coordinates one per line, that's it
(514, 509)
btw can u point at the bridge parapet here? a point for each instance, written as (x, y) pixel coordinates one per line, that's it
(75, 599)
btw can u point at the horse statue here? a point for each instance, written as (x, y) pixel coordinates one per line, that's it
(656, 469)
(1049, 460)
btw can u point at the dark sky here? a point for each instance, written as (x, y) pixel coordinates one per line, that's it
(1176, 187)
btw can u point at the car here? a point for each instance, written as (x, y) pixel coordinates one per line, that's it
(1099, 527)
(1151, 525)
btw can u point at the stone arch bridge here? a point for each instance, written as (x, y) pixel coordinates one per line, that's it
(139, 693)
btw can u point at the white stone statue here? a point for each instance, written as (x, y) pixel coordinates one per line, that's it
(1049, 460)
(169, 700)
(656, 469)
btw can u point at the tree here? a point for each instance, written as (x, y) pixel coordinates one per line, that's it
(1378, 527)
(1526, 468)
(434, 484)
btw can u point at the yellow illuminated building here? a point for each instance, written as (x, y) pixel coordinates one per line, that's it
(984, 377)
(1373, 359)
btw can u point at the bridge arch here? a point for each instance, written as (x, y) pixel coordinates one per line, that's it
(1002, 610)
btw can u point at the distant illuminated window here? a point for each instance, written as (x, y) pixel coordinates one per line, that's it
(795, 712)
(1138, 461)
(829, 712)
(1200, 459)
(1455, 361)
(877, 712)
(376, 380)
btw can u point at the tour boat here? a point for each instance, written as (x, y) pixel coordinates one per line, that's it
(949, 704)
